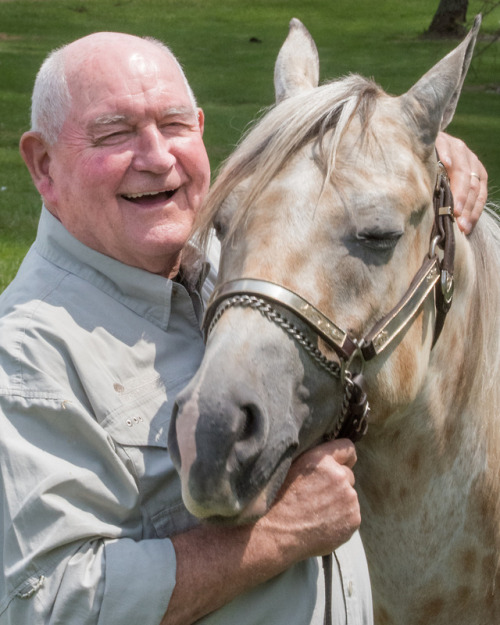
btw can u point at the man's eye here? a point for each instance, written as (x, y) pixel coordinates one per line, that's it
(177, 126)
(112, 137)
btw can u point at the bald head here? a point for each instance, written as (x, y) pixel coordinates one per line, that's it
(73, 68)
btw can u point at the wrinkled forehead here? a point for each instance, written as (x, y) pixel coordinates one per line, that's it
(119, 65)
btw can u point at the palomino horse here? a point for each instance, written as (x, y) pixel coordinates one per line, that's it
(327, 213)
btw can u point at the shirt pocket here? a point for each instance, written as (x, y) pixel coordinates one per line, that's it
(140, 411)
(139, 429)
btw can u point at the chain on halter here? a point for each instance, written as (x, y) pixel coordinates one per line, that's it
(251, 301)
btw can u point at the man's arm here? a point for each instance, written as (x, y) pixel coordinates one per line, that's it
(316, 511)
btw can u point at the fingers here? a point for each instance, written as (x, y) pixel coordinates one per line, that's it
(476, 199)
(337, 456)
(342, 451)
(468, 180)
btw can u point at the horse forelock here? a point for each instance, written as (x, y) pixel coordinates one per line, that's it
(282, 132)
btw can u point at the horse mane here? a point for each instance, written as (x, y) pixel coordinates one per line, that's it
(485, 304)
(284, 130)
(478, 398)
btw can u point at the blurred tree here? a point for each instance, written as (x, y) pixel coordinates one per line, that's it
(488, 7)
(449, 19)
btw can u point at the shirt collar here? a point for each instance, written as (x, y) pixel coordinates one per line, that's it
(148, 294)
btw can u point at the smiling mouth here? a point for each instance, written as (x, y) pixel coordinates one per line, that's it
(149, 197)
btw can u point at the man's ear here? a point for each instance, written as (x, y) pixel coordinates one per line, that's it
(35, 153)
(201, 120)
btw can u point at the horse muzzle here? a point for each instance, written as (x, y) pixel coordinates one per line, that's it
(230, 463)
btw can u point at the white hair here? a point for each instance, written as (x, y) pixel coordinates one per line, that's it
(51, 99)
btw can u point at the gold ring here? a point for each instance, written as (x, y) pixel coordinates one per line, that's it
(473, 173)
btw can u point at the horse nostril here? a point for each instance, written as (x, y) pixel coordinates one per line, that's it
(251, 434)
(251, 422)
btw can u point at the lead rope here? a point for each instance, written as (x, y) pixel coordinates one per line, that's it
(328, 574)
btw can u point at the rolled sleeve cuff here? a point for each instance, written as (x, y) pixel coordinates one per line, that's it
(140, 579)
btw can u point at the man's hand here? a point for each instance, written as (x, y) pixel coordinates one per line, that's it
(317, 509)
(468, 180)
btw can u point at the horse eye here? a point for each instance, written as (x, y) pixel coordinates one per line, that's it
(380, 241)
(222, 218)
(220, 229)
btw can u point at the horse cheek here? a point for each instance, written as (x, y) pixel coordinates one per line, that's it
(401, 371)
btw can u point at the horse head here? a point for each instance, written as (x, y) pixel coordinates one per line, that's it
(328, 201)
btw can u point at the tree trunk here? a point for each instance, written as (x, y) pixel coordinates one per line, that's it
(449, 20)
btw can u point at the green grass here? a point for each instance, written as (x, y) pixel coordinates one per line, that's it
(231, 76)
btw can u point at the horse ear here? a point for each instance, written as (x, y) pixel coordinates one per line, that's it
(297, 65)
(431, 102)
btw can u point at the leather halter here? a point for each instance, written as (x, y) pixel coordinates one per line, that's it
(434, 278)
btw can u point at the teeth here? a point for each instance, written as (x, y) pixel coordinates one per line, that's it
(134, 196)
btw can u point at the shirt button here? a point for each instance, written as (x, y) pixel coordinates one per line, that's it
(350, 588)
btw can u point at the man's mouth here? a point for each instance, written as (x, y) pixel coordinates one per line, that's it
(150, 197)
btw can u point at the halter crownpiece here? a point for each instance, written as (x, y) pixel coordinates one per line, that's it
(434, 278)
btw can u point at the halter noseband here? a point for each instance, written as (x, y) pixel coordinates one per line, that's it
(435, 277)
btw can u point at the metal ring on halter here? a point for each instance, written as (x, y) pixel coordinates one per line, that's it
(435, 241)
(345, 365)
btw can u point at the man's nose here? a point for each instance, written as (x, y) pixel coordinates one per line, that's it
(153, 151)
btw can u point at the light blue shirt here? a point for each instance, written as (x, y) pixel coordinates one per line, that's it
(92, 355)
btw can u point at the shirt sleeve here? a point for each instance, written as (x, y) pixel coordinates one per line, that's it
(73, 549)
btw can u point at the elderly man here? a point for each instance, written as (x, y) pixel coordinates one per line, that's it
(100, 330)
